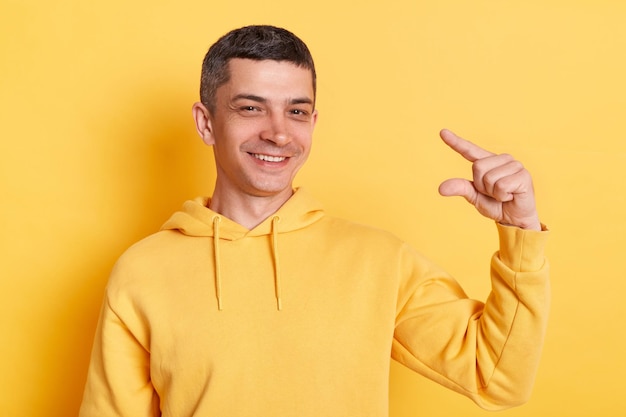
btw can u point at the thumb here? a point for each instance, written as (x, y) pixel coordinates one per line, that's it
(459, 187)
(485, 205)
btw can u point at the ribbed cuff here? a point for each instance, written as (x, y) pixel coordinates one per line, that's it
(522, 250)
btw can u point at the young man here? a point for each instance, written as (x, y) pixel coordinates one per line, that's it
(255, 303)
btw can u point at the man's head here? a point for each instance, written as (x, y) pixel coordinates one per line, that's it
(251, 42)
(257, 112)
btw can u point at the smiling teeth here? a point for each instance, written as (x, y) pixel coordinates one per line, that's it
(269, 158)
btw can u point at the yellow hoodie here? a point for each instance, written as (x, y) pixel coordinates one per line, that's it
(300, 316)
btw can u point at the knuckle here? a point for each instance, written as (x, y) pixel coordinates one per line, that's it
(500, 191)
(490, 177)
(507, 158)
(477, 169)
(518, 165)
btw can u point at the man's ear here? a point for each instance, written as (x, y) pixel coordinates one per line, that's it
(314, 118)
(202, 118)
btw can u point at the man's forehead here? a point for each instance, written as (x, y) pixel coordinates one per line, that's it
(247, 76)
(235, 64)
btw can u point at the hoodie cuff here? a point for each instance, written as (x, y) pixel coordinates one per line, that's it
(522, 250)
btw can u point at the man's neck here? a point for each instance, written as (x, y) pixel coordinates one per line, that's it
(247, 210)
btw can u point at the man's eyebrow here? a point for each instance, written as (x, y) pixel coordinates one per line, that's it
(249, 97)
(259, 99)
(301, 100)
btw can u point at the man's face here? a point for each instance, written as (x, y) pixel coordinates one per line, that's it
(262, 127)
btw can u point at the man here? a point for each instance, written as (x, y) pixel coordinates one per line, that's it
(255, 303)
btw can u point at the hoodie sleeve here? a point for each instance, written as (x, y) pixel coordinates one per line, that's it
(118, 380)
(488, 352)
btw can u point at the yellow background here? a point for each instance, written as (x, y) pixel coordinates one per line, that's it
(97, 148)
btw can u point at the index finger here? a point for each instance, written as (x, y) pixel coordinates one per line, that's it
(465, 148)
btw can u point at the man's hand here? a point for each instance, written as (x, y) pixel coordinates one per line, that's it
(501, 188)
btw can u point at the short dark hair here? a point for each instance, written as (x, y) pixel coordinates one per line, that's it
(259, 42)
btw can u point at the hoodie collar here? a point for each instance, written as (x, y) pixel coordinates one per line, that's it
(196, 219)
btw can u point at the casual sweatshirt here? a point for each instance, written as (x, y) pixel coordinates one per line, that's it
(300, 317)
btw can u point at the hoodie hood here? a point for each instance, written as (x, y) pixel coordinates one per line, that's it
(196, 219)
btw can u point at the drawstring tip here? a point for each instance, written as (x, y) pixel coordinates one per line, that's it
(219, 304)
(279, 304)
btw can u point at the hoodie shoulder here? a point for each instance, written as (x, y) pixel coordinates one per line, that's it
(194, 219)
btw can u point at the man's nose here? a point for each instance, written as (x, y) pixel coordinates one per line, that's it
(276, 130)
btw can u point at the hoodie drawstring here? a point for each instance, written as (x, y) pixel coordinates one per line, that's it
(216, 252)
(277, 288)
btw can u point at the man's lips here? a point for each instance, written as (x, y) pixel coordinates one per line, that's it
(268, 158)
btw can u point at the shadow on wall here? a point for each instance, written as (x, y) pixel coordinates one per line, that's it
(149, 161)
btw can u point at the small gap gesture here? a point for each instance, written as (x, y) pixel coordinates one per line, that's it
(501, 188)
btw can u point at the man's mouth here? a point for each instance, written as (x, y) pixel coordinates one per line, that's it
(269, 158)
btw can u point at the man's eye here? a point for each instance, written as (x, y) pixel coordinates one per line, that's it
(299, 112)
